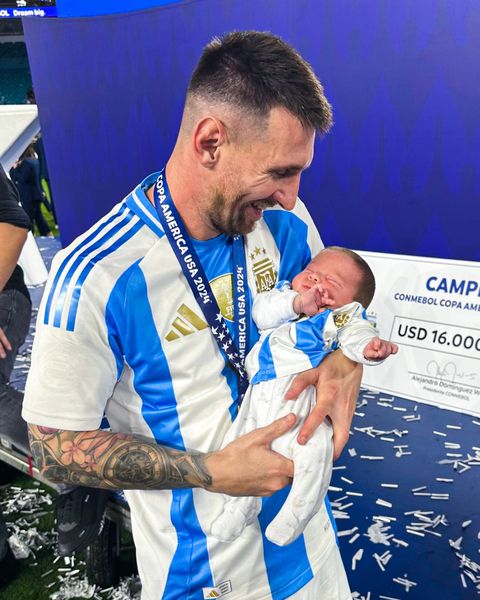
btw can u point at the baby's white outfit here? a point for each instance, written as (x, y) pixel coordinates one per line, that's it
(285, 349)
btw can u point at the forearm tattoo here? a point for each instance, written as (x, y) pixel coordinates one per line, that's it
(114, 460)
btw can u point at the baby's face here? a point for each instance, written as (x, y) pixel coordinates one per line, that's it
(337, 274)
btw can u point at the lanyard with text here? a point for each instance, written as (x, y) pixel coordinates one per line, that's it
(187, 257)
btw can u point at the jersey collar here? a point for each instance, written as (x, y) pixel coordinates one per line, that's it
(141, 205)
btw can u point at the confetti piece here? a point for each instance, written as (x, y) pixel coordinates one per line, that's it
(456, 544)
(347, 532)
(379, 561)
(46, 573)
(414, 532)
(411, 418)
(381, 502)
(357, 557)
(400, 542)
(405, 582)
(377, 533)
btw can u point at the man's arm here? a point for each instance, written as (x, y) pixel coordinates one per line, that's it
(104, 459)
(11, 242)
(12, 239)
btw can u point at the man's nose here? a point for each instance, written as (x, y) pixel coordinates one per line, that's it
(286, 194)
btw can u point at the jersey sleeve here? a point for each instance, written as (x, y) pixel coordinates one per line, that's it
(313, 239)
(354, 332)
(295, 236)
(74, 370)
(274, 308)
(10, 210)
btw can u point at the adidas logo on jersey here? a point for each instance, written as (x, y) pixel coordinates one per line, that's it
(218, 591)
(186, 323)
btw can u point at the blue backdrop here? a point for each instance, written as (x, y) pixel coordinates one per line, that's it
(400, 170)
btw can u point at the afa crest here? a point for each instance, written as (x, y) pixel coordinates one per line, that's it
(263, 269)
(341, 319)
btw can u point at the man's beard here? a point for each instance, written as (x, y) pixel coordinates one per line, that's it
(230, 216)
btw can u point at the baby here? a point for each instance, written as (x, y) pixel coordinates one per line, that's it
(329, 296)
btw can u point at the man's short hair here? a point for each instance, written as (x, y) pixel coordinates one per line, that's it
(366, 287)
(257, 71)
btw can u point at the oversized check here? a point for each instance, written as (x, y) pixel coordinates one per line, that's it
(431, 309)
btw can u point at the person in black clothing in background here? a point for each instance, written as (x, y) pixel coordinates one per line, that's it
(26, 175)
(15, 313)
(15, 309)
(79, 510)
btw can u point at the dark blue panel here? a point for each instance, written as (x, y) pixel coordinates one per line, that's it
(400, 170)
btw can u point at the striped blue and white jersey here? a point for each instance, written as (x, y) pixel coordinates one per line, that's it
(120, 333)
(288, 346)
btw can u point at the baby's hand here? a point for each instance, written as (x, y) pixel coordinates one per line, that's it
(312, 301)
(378, 349)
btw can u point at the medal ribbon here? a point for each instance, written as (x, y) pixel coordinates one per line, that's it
(187, 257)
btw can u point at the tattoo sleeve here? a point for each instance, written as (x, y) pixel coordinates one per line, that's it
(114, 460)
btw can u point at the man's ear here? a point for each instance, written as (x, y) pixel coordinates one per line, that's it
(208, 137)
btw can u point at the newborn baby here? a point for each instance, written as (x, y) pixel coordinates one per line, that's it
(329, 296)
